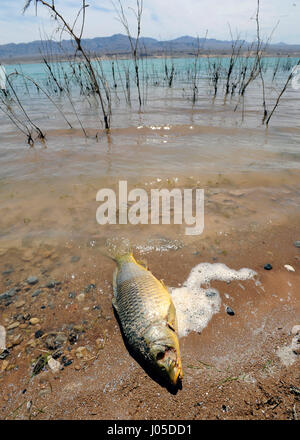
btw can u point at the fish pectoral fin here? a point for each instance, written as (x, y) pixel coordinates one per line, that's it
(171, 318)
(143, 263)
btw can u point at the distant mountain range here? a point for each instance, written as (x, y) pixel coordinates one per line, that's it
(119, 45)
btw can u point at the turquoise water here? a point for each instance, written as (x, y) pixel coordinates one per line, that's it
(151, 69)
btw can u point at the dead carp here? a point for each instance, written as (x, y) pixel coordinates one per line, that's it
(147, 315)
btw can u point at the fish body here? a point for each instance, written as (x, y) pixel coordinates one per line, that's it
(148, 316)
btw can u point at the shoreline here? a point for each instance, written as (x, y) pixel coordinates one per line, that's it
(234, 363)
(116, 57)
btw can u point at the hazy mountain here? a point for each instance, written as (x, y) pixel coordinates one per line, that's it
(118, 44)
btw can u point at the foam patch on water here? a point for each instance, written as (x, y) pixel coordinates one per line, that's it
(196, 302)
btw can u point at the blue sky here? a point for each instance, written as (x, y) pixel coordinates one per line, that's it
(162, 19)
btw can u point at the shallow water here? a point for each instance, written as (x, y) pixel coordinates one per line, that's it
(48, 192)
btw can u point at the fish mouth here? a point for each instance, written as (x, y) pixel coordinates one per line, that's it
(175, 374)
(172, 365)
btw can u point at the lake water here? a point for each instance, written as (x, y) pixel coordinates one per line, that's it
(48, 191)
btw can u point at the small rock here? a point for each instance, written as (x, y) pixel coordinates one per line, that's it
(20, 304)
(289, 268)
(89, 287)
(7, 271)
(297, 243)
(4, 365)
(38, 334)
(97, 307)
(13, 325)
(80, 297)
(4, 354)
(268, 267)
(210, 293)
(296, 330)
(100, 343)
(72, 338)
(8, 294)
(17, 340)
(75, 259)
(229, 311)
(51, 284)
(57, 354)
(32, 280)
(34, 321)
(81, 352)
(36, 293)
(28, 255)
(72, 295)
(55, 341)
(53, 364)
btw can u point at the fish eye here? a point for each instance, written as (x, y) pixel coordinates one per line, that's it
(160, 355)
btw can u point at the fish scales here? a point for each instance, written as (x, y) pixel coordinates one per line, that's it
(147, 316)
(141, 300)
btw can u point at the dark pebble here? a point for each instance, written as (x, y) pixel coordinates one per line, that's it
(24, 391)
(51, 284)
(297, 244)
(36, 293)
(66, 362)
(268, 266)
(38, 334)
(229, 311)
(7, 272)
(210, 293)
(97, 308)
(75, 259)
(8, 294)
(72, 338)
(43, 307)
(57, 355)
(8, 303)
(4, 354)
(72, 295)
(32, 280)
(89, 287)
(69, 362)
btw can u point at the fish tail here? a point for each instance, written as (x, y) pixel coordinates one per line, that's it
(118, 250)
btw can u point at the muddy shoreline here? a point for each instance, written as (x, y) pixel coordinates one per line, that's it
(232, 370)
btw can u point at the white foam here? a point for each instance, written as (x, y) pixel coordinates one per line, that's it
(287, 354)
(195, 305)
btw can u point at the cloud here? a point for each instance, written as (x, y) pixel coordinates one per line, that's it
(162, 19)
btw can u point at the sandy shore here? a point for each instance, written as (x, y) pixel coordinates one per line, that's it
(240, 367)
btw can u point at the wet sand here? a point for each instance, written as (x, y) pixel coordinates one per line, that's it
(241, 366)
(232, 370)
